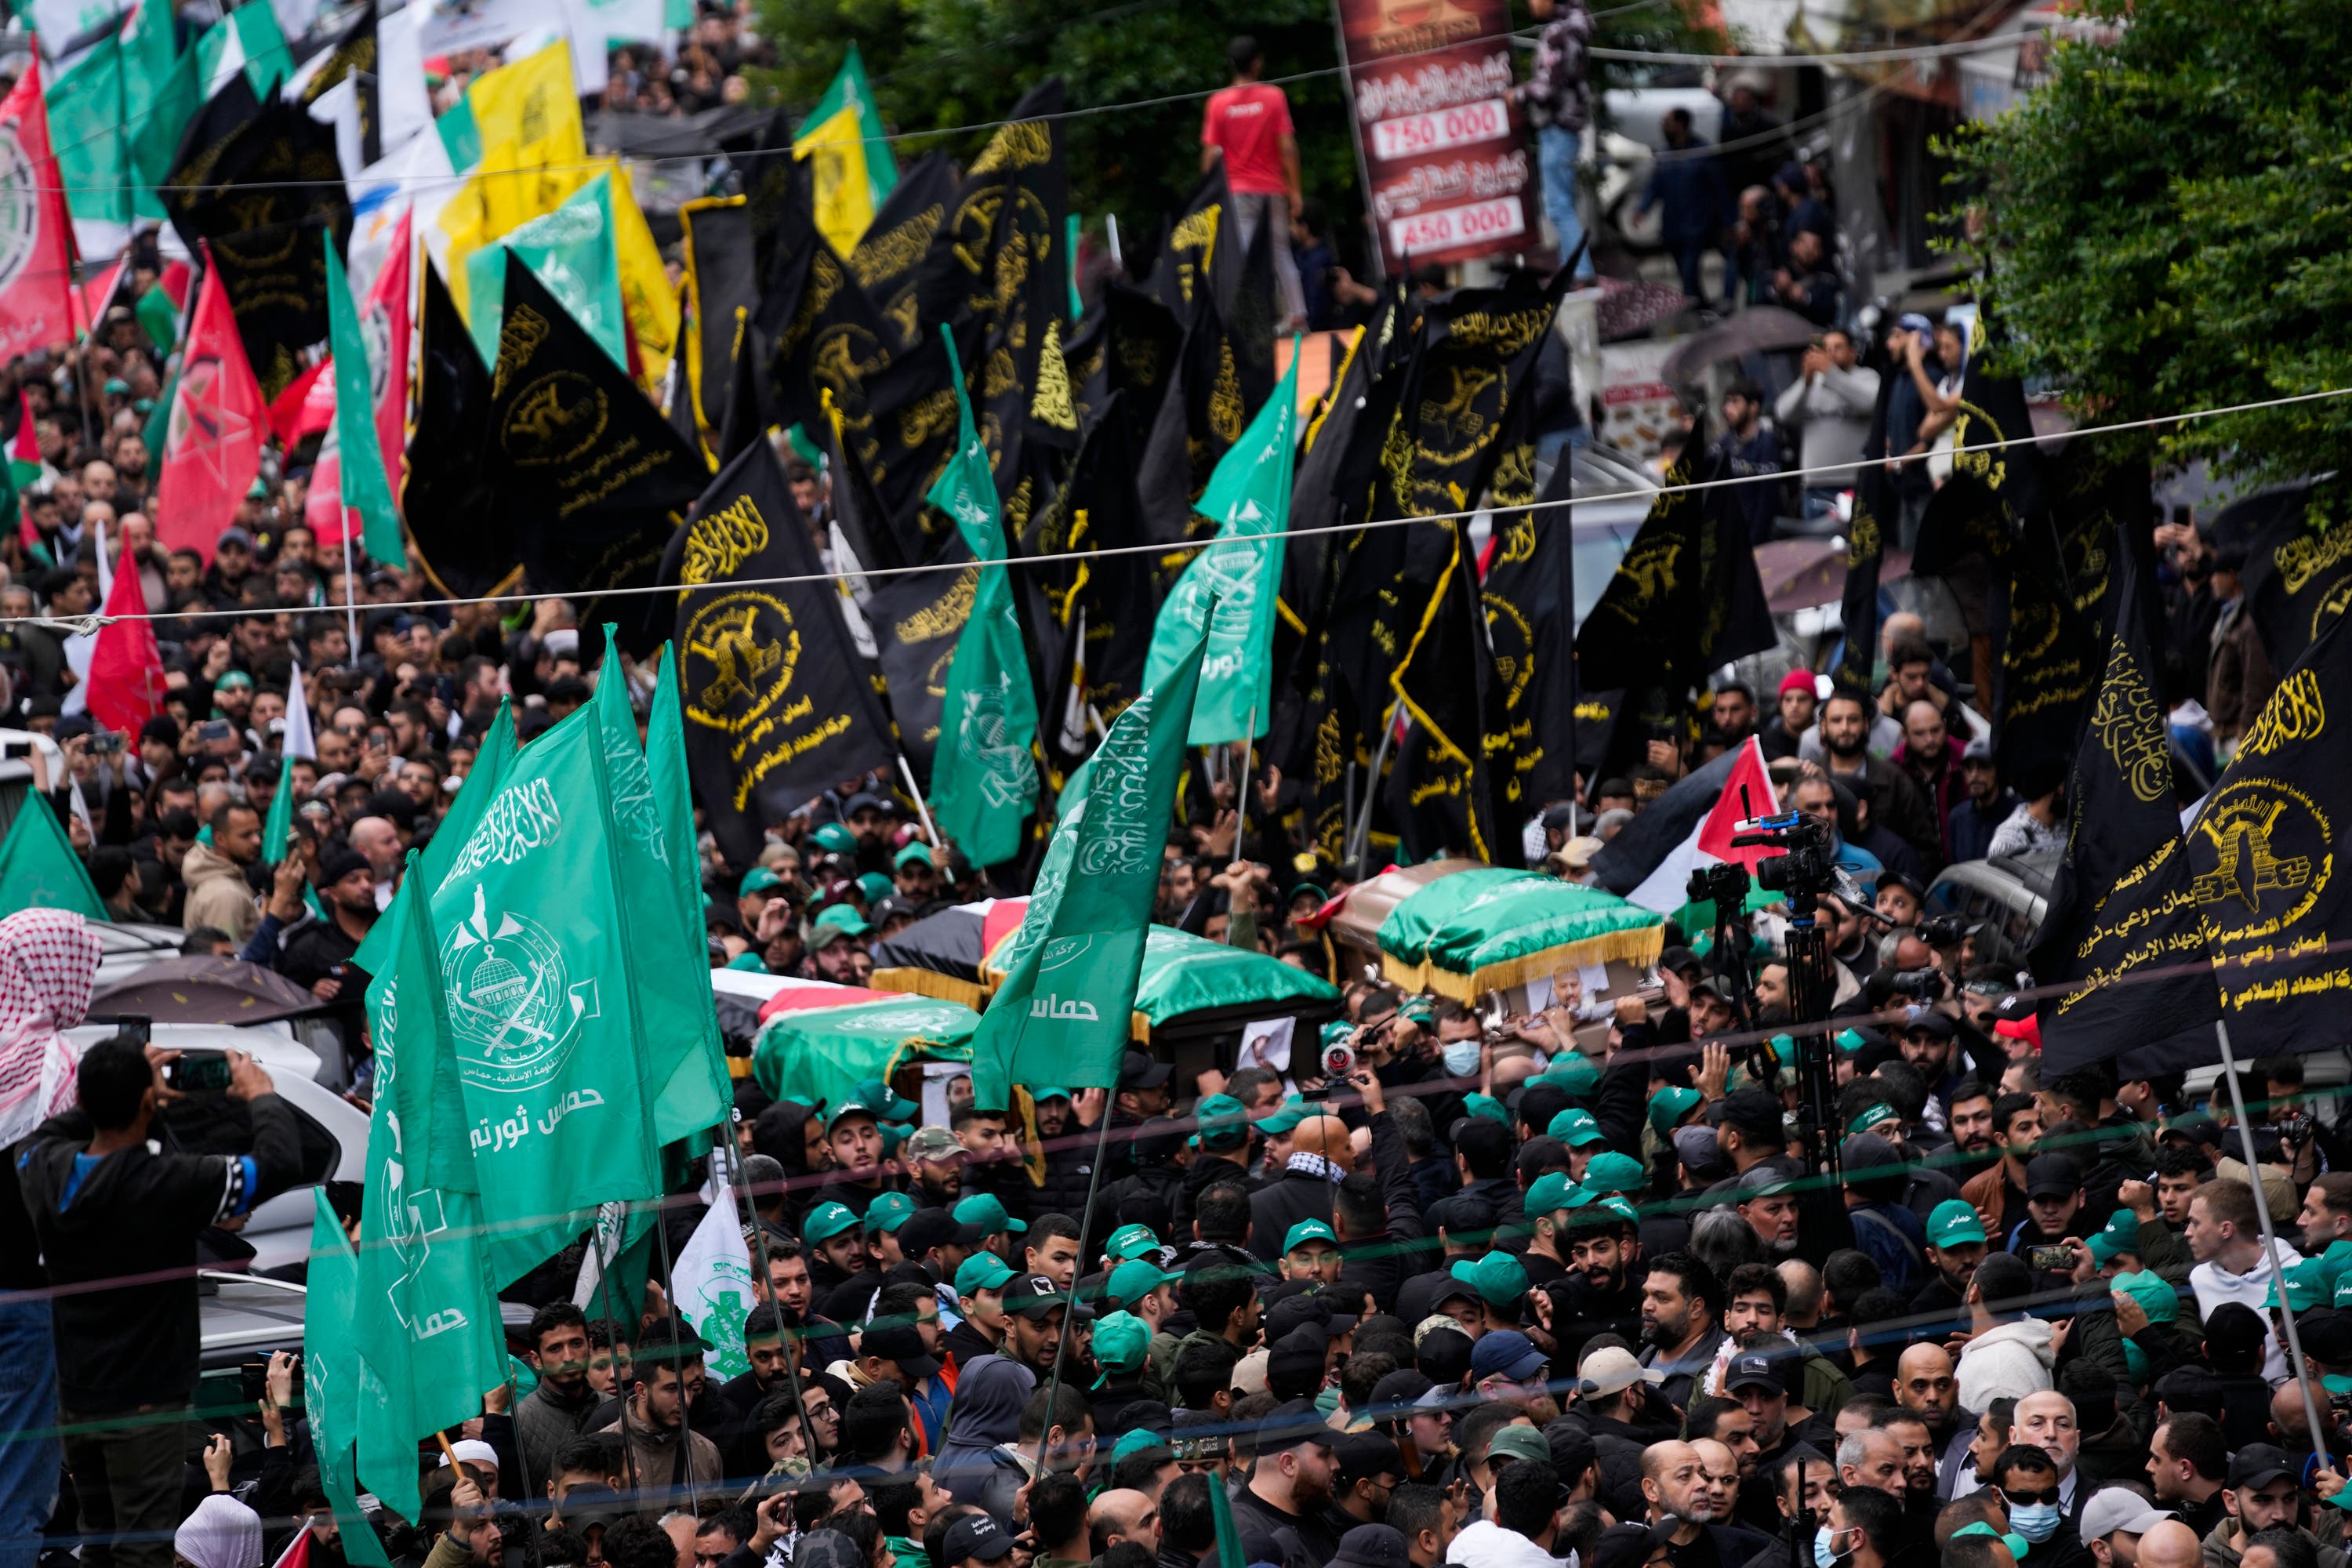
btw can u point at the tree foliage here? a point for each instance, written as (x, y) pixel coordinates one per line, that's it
(943, 63)
(2165, 225)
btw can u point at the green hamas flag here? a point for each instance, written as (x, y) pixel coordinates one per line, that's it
(365, 490)
(489, 770)
(1063, 1013)
(330, 1378)
(685, 1064)
(573, 251)
(1240, 575)
(983, 780)
(541, 976)
(38, 867)
(427, 1319)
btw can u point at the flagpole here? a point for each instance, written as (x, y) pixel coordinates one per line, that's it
(1241, 791)
(1070, 1304)
(1372, 783)
(685, 1427)
(2296, 1369)
(907, 772)
(351, 606)
(604, 1288)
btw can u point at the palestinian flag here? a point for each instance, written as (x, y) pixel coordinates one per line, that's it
(945, 956)
(162, 308)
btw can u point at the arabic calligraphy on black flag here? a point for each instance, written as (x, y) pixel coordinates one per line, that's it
(916, 620)
(1442, 793)
(1685, 598)
(595, 479)
(779, 703)
(2264, 856)
(2057, 592)
(722, 292)
(1529, 593)
(2121, 951)
(2297, 578)
(895, 242)
(468, 544)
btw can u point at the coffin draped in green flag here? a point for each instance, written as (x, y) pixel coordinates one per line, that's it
(365, 488)
(1240, 574)
(330, 1378)
(540, 972)
(490, 770)
(38, 868)
(983, 780)
(685, 1065)
(1063, 1014)
(425, 1318)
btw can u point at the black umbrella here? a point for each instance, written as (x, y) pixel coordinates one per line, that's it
(202, 991)
(1760, 329)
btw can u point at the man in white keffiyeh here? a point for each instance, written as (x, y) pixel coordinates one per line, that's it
(49, 960)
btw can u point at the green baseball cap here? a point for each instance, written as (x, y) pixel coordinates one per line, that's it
(1224, 1122)
(912, 855)
(850, 1105)
(1615, 1172)
(986, 1210)
(892, 1134)
(1120, 1340)
(1417, 1008)
(1871, 1118)
(1131, 1241)
(748, 962)
(1498, 1277)
(2120, 1234)
(2015, 1542)
(1045, 1092)
(1549, 1194)
(2306, 1286)
(1576, 1129)
(886, 1103)
(1488, 1106)
(758, 880)
(1133, 1281)
(827, 1221)
(1573, 1071)
(1337, 1032)
(843, 918)
(2152, 1291)
(2338, 1258)
(1285, 1117)
(233, 679)
(1308, 1230)
(888, 1211)
(1954, 1222)
(875, 887)
(1668, 1106)
(835, 838)
(1137, 1441)
(981, 1271)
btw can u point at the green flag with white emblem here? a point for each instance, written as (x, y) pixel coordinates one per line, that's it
(489, 769)
(685, 1062)
(540, 974)
(38, 867)
(983, 780)
(330, 1378)
(1061, 1014)
(425, 1316)
(1240, 574)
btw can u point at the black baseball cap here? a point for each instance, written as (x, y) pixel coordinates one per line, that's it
(1753, 1112)
(975, 1535)
(2051, 1176)
(1361, 1454)
(1752, 1371)
(2260, 1464)
(926, 1228)
(1142, 1070)
(901, 1344)
(1034, 1296)
(1291, 1423)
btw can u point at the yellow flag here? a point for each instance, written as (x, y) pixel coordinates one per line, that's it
(844, 196)
(534, 154)
(646, 294)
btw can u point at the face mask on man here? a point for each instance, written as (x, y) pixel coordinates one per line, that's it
(1461, 1056)
(2037, 1522)
(1825, 1552)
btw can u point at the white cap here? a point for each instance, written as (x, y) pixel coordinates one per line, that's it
(473, 1451)
(2120, 1507)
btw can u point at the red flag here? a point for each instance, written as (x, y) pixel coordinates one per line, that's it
(36, 303)
(289, 414)
(213, 448)
(384, 322)
(96, 297)
(126, 668)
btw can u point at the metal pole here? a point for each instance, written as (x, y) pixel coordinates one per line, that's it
(1241, 791)
(2295, 1367)
(605, 1288)
(1110, 228)
(1372, 783)
(351, 606)
(923, 808)
(1070, 1305)
(685, 1425)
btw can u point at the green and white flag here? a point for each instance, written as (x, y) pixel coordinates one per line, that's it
(330, 1378)
(364, 487)
(482, 781)
(711, 1287)
(1063, 1014)
(540, 974)
(38, 867)
(1240, 574)
(427, 1318)
(685, 1063)
(983, 780)
(573, 251)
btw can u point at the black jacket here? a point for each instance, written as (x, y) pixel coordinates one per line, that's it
(1280, 1204)
(1382, 1263)
(140, 1343)
(1068, 1173)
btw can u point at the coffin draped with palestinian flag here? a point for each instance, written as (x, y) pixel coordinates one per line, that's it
(945, 955)
(1490, 929)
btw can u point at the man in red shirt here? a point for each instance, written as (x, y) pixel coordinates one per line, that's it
(1248, 125)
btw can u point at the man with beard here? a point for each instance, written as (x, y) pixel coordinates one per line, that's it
(791, 1289)
(1033, 1309)
(934, 1157)
(744, 1446)
(1999, 1192)
(1968, 1116)
(1767, 1201)
(1845, 735)
(1955, 1245)
(1930, 1043)
(1603, 1288)
(317, 956)
(1279, 1515)
(1803, 1482)
(1681, 1311)
(1973, 821)
(551, 1414)
(1920, 1499)
(1727, 1423)
(1675, 1488)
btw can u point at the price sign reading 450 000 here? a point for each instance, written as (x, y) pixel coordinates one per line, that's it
(1412, 134)
(1424, 232)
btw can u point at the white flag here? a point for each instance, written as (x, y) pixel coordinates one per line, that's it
(298, 742)
(711, 1289)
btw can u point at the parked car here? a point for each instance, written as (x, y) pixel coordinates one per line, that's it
(2012, 891)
